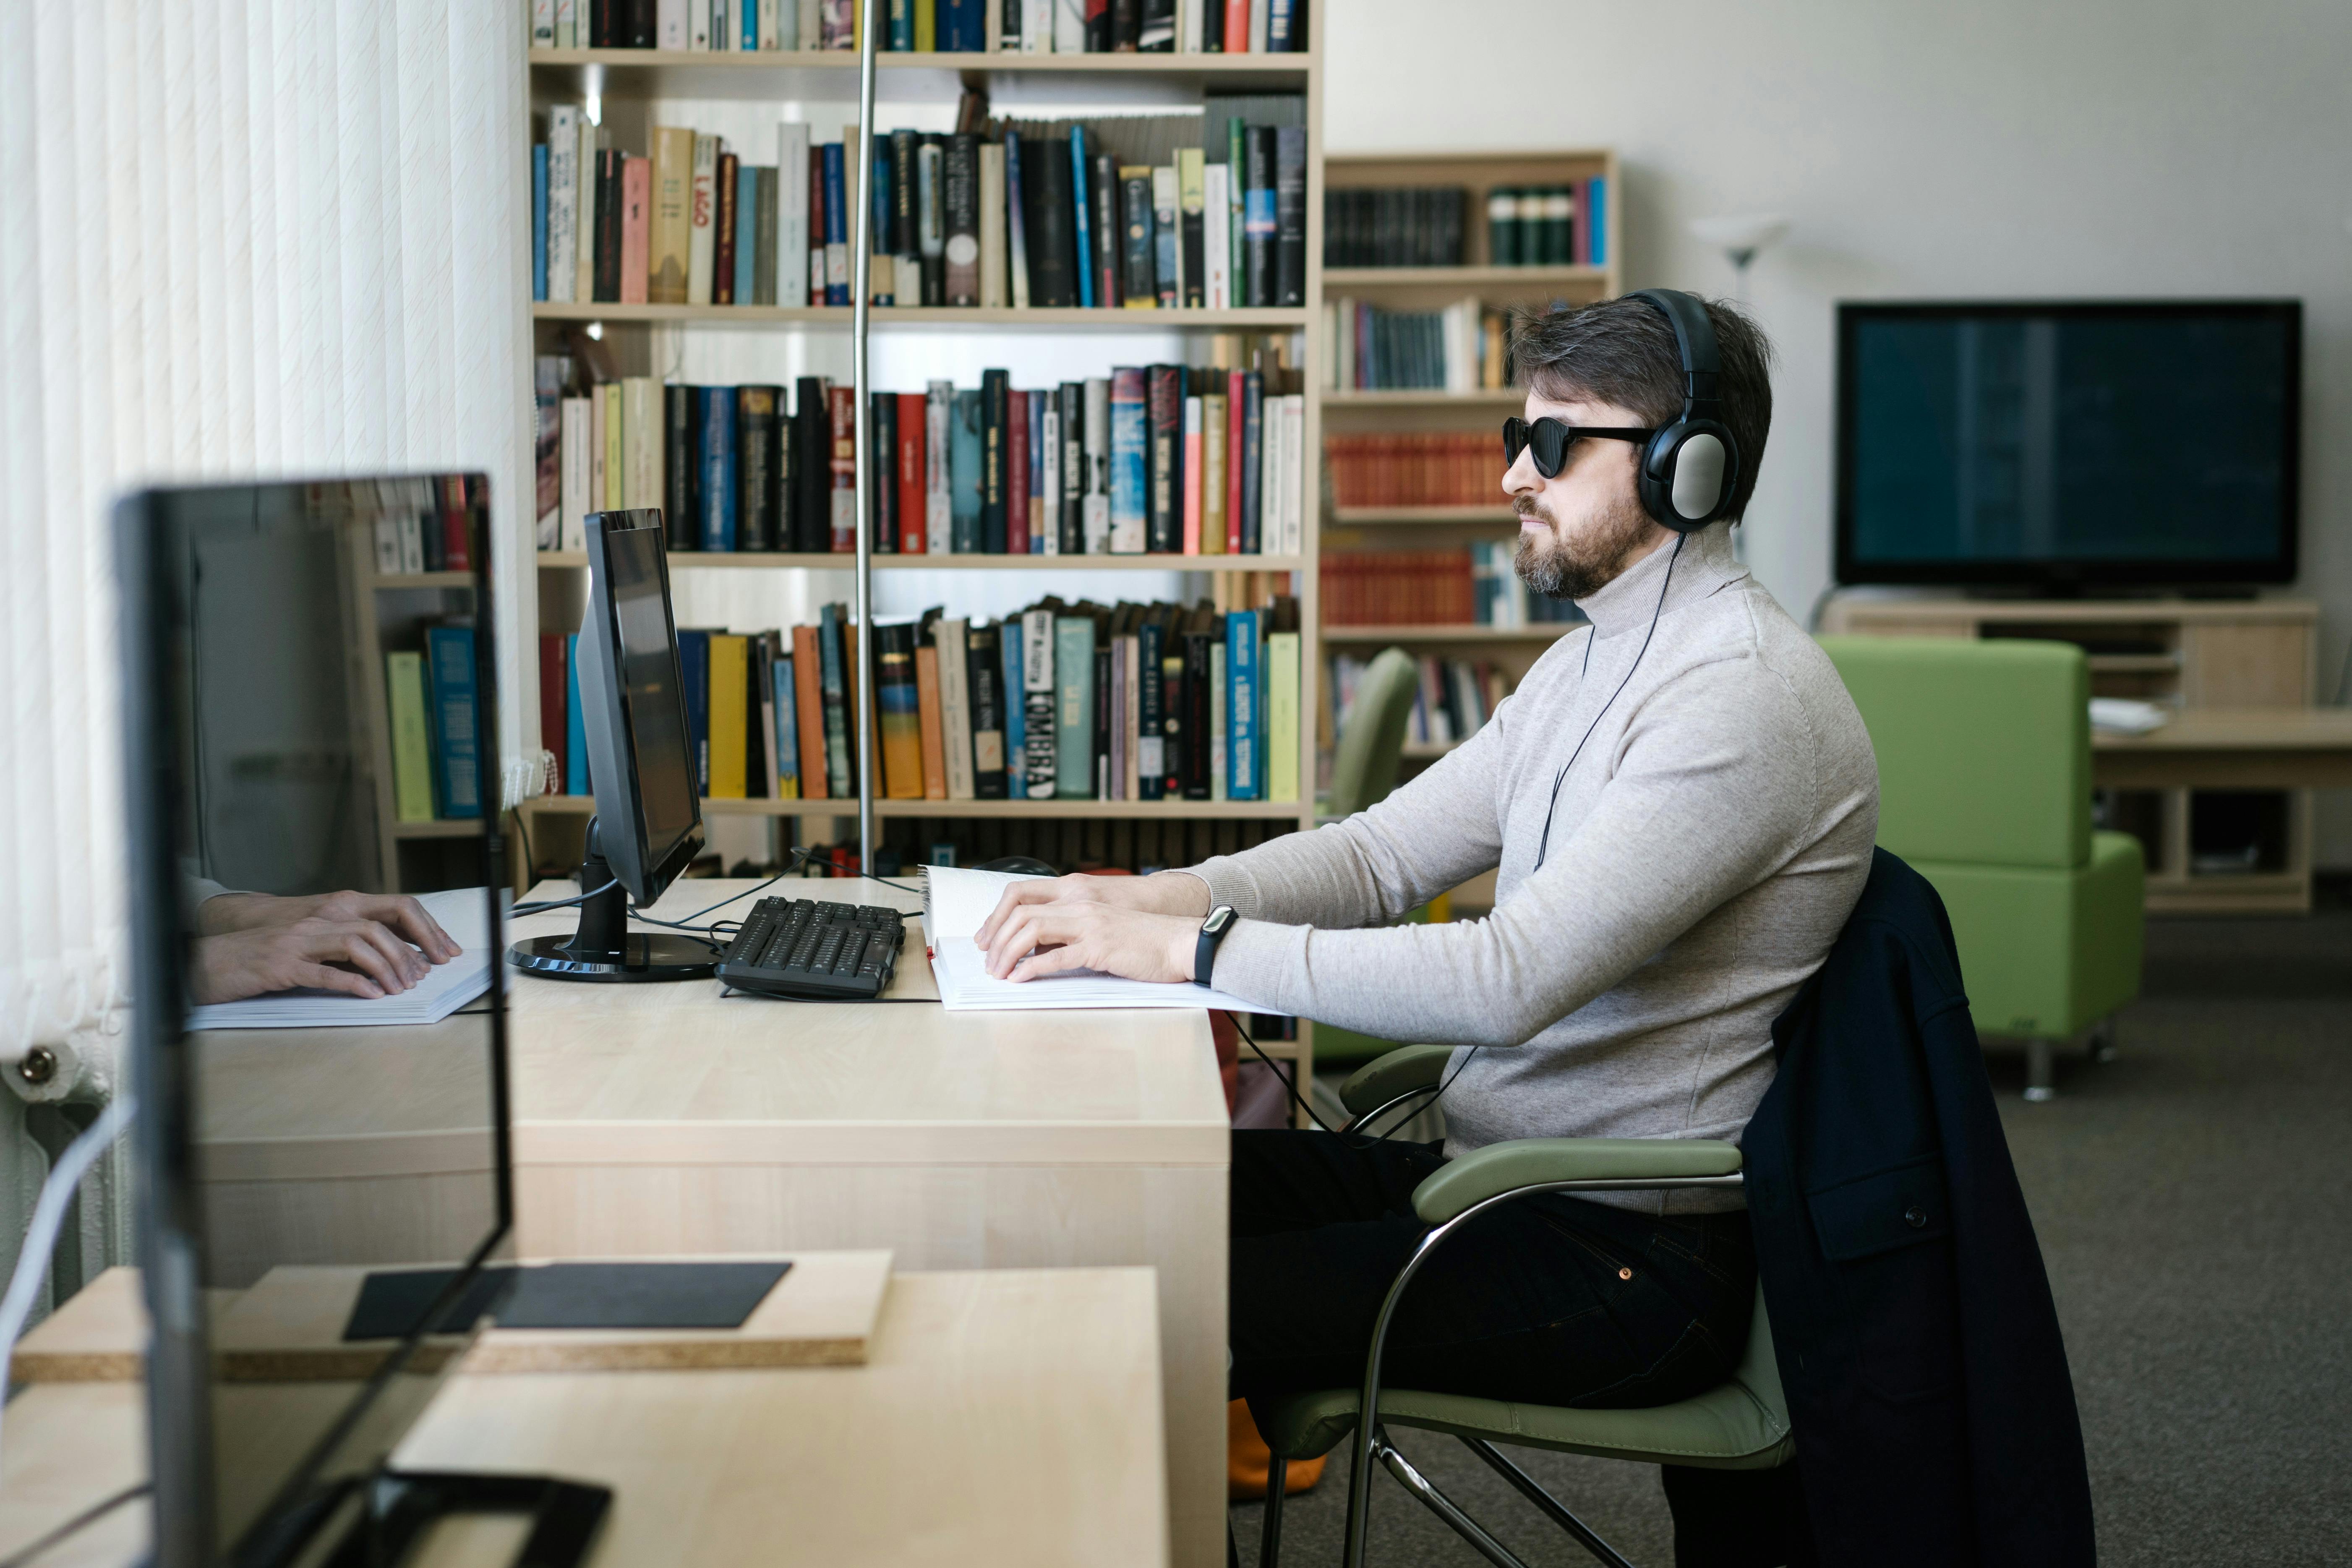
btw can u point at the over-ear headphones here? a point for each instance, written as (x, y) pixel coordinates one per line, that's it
(1689, 470)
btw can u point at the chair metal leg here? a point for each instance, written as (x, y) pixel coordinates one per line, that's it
(1556, 1510)
(1269, 1540)
(2041, 1072)
(1443, 1507)
(2103, 1040)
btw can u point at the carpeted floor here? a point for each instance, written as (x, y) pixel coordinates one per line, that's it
(2194, 1202)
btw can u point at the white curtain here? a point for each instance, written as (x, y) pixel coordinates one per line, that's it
(238, 237)
(275, 237)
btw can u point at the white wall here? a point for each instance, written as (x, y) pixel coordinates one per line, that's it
(1998, 147)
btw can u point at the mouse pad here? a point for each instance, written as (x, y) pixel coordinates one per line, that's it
(569, 1296)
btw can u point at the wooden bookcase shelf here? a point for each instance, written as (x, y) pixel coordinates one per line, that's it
(1039, 810)
(1360, 634)
(831, 76)
(774, 561)
(1495, 516)
(1460, 280)
(1505, 398)
(928, 317)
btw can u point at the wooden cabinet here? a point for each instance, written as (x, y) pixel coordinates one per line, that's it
(2239, 851)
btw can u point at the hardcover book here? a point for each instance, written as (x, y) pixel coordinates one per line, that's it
(984, 669)
(1138, 290)
(1039, 743)
(912, 438)
(1164, 516)
(1128, 477)
(994, 419)
(701, 213)
(1074, 717)
(672, 232)
(961, 198)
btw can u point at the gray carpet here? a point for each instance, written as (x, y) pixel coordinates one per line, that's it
(2194, 1202)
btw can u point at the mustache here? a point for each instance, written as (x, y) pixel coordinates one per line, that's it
(1527, 506)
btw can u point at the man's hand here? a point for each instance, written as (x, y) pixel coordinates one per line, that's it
(394, 913)
(1161, 893)
(358, 958)
(1048, 936)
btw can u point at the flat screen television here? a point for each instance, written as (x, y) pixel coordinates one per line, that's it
(2069, 444)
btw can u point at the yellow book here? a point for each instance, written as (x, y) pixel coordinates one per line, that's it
(926, 25)
(412, 737)
(730, 713)
(670, 231)
(1282, 716)
(616, 448)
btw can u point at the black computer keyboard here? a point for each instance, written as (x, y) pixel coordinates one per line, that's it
(814, 950)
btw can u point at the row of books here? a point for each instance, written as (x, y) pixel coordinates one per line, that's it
(1448, 470)
(1462, 348)
(431, 699)
(1555, 225)
(1024, 26)
(1050, 216)
(1475, 585)
(1058, 702)
(1161, 460)
(1411, 226)
(1453, 699)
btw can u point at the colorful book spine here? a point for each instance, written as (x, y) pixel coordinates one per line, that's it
(538, 216)
(837, 226)
(457, 735)
(1014, 699)
(912, 487)
(1193, 433)
(729, 707)
(1241, 688)
(412, 737)
(1281, 740)
(718, 467)
(896, 699)
(1039, 751)
(576, 727)
(1074, 717)
(788, 736)
(1083, 221)
(1129, 463)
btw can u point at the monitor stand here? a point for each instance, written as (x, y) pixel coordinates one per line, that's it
(603, 949)
(403, 1504)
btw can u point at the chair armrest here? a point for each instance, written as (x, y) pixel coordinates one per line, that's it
(1400, 1071)
(1499, 1168)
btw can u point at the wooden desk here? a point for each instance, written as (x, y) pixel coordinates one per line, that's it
(2232, 748)
(655, 1119)
(1006, 1418)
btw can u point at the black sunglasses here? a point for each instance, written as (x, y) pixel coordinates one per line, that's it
(1551, 439)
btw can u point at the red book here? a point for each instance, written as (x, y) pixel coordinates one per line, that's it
(1233, 431)
(552, 690)
(1237, 27)
(816, 224)
(456, 535)
(636, 200)
(722, 223)
(913, 409)
(1016, 474)
(841, 406)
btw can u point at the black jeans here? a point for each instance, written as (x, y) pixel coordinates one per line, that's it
(1549, 1299)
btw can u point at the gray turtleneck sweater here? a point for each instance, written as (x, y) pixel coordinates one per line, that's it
(1703, 852)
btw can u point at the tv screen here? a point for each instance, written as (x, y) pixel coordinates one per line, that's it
(2068, 443)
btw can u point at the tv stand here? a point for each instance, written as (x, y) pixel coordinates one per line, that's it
(2197, 652)
(603, 949)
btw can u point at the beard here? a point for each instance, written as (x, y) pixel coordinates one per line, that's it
(1559, 569)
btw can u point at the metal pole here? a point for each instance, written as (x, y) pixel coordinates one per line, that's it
(861, 269)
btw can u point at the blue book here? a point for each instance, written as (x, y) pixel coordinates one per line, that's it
(1277, 28)
(694, 663)
(880, 219)
(1243, 766)
(787, 730)
(715, 412)
(1079, 207)
(1596, 224)
(1129, 445)
(575, 729)
(457, 736)
(963, 472)
(836, 223)
(751, 9)
(1016, 726)
(962, 25)
(539, 221)
(902, 36)
(747, 227)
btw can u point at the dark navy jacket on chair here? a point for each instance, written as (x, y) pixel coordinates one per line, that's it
(1927, 1381)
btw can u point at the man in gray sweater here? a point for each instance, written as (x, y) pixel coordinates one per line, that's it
(1679, 802)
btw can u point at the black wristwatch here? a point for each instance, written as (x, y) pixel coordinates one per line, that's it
(1213, 931)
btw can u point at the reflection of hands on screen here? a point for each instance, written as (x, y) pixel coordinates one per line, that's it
(360, 944)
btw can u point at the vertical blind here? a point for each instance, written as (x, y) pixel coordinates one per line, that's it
(237, 238)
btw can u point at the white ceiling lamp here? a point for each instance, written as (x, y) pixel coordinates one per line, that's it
(1741, 236)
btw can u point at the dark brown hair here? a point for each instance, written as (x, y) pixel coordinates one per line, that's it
(1622, 351)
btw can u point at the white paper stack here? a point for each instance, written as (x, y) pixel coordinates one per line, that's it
(956, 901)
(2124, 716)
(462, 912)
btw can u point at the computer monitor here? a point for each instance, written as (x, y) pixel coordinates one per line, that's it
(641, 766)
(308, 683)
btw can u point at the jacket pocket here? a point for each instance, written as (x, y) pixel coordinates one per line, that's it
(1888, 1236)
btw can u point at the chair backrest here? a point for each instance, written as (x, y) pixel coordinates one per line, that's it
(1372, 743)
(1984, 747)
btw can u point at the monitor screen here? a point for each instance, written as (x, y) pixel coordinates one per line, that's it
(665, 762)
(2133, 442)
(311, 776)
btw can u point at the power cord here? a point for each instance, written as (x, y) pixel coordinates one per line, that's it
(546, 904)
(48, 1218)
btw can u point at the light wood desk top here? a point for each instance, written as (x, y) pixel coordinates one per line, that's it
(665, 1074)
(2279, 747)
(1006, 1417)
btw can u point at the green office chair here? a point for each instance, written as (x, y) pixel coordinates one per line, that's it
(1372, 743)
(1984, 786)
(1742, 1425)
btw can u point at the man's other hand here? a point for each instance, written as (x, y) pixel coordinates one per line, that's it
(1161, 893)
(356, 957)
(395, 912)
